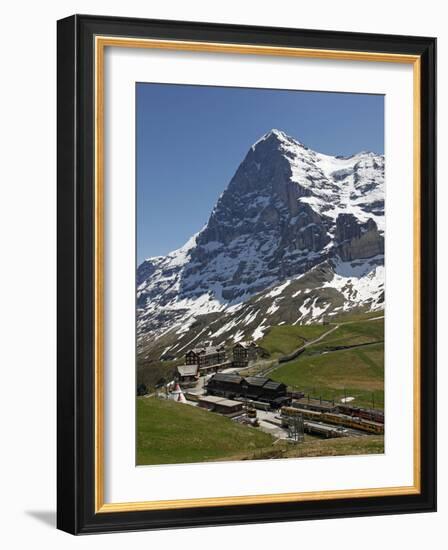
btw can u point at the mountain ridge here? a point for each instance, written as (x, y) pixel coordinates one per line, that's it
(286, 211)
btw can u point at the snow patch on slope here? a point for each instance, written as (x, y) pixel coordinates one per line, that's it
(278, 290)
(360, 283)
(260, 330)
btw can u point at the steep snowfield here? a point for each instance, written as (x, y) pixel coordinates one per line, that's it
(338, 185)
(359, 283)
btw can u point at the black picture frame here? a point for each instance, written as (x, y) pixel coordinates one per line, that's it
(76, 263)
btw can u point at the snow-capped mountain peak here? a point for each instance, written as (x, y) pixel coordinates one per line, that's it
(287, 210)
(279, 136)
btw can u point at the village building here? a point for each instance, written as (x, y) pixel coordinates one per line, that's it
(259, 388)
(226, 385)
(220, 405)
(206, 356)
(187, 375)
(256, 388)
(243, 352)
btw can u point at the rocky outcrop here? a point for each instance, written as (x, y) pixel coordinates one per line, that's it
(260, 226)
(355, 240)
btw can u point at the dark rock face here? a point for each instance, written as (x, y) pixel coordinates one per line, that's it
(144, 271)
(354, 240)
(260, 208)
(347, 228)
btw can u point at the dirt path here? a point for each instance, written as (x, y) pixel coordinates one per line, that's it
(293, 355)
(325, 334)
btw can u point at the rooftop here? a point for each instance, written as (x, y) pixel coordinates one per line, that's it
(256, 380)
(272, 385)
(214, 399)
(211, 398)
(223, 377)
(207, 350)
(247, 344)
(187, 370)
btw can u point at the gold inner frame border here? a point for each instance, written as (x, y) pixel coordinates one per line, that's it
(100, 43)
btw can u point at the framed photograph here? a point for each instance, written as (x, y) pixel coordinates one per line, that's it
(246, 274)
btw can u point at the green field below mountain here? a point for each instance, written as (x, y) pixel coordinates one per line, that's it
(174, 433)
(347, 362)
(284, 339)
(170, 433)
(316, 447)
(325, 369)
(351, 334)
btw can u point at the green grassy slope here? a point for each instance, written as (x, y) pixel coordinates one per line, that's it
(334, 374)
(171, 433)
(316, 446)
(355, 315)
(357, 373)
(352, 334)
(155, 373)
(284, 339)
(337, 447)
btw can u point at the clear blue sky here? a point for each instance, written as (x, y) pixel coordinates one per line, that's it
(191, 139)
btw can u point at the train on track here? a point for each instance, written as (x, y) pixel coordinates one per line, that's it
(347, 421)
(368, 414)
(315, 428)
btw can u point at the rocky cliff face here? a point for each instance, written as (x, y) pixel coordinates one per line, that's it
(354, 240)
(287, 210)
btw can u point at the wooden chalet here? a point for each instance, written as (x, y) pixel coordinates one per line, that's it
(226, 385)
(255, 388)
(206, 356)
(187, 374)
(265, 389)
(243, 352)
